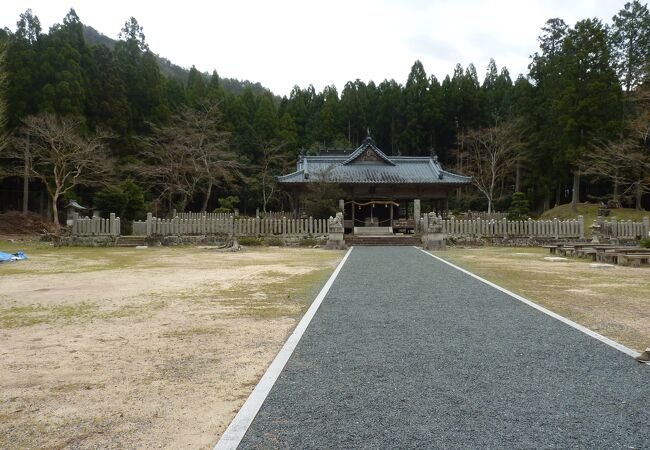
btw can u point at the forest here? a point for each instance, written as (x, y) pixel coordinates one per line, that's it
(111, 124)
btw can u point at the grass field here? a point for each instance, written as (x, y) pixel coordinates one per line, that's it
(125, 348)
(614, 302)
(590, 211)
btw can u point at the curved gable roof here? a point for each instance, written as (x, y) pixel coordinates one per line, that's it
(369, 165)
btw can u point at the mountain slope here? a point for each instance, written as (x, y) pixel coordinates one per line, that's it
(173, 71)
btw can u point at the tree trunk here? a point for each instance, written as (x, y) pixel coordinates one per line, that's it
(206, 199)
(616, 196)
(639, 195)
(558, 195)
(183, 202)
(26, 178)
(518, 177)
(547, 200)
(575, 197)
(55, 212)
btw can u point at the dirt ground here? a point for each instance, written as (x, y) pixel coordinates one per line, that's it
(614, 302)
(155, 348)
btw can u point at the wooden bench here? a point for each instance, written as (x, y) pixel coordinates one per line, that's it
(551, 248)
(566, 249)
(634, 259)
(587, 252)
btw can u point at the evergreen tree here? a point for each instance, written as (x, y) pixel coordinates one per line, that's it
(22, 65)
(631, 43)
(416, 136)
(196, 89)
(64, 62)
(589, 107)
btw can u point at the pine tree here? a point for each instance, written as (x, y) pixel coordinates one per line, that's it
(589, 106)
(196, 89)
(416, 136)
(631, 43)
(22, 65)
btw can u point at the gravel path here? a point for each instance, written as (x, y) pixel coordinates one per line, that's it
(407, 352)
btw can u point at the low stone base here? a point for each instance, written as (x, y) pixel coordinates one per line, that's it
(434, 241)
(336, 241)
(85, 241)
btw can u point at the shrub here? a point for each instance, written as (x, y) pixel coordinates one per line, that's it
(227, 204)
(249, 241)
(518, 207)
(126, 200)
(273, 241)
(645, 242)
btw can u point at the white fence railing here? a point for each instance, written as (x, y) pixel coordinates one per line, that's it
(625, 229)
(95, 226)
(511, 228)
(486, 216)
(198, 215)
(204, 225)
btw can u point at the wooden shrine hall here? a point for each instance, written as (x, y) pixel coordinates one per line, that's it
(380, 191)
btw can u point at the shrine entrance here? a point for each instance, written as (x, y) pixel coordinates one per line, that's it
(381, 216)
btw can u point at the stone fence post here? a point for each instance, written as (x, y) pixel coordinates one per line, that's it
(416, 215)
(433, 237)
(646, 227)
(581, 227)
(335, 240)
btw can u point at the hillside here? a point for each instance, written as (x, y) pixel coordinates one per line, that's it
(173, 71)
(590, 211)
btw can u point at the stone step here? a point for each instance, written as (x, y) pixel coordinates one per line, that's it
(130, 241)
(381, 240)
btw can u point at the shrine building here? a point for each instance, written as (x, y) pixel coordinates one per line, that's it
(379, 191)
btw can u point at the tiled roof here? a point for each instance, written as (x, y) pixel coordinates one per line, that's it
(368, 164)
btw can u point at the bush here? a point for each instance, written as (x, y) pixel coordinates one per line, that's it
(273, 241)
(518, 207)
(645, 242)
(227, 204)
(250, 241)
(126, 200)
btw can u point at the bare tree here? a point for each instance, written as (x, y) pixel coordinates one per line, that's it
(168, 169)
(611, 161)
(274, 161)
(61, 157)
(626, 161)
(191, 155)
(489, 154)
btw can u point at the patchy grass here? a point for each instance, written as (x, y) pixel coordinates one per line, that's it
(613, 302)
(166, 342)
(590, 211)
(273, 294)
(24, 316)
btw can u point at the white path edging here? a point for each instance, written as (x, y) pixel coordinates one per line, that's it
(571, 323)
(239, 425)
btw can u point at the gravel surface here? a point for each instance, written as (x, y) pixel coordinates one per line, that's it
(407, 352)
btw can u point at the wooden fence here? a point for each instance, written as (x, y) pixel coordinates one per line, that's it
(625, 229)
(198, 215)
(511, 228)
(95, 226)
(486, 216)
(204, 225)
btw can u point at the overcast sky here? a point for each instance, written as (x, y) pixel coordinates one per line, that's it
(281, 43)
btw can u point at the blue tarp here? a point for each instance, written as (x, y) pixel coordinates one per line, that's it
(12, 256)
